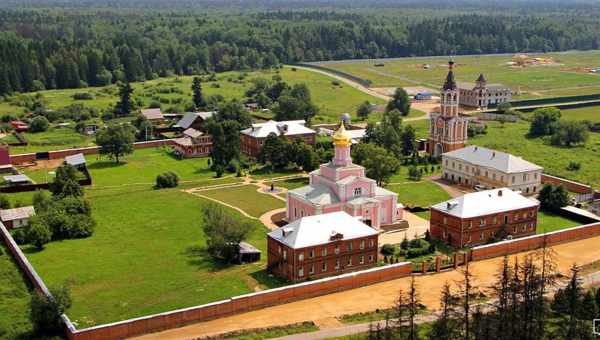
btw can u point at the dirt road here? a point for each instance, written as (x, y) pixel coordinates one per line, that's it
(371, 297)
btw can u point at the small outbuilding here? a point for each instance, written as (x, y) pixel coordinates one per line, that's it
(17, 217)
(248, 253)
(77, 161)
(17, 180)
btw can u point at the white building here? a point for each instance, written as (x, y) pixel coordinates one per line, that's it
(481, 94)
(475, 165)
(17, 217)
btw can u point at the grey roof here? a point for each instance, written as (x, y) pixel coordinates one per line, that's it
(16, 213)
(17, 179)
(319, 229)
(316, 194)
(152, 114)
(247, 248)
(489, 158)
(465, 85)
(190, 117)
(484, 203)
(75, 160)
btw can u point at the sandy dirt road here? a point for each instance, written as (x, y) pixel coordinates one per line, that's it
(371, 297)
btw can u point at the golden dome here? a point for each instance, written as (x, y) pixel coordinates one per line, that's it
(342, 137)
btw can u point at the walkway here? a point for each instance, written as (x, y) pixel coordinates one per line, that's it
(417, 226)
(369, 298)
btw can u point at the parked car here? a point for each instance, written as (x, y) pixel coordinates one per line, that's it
(479, 187)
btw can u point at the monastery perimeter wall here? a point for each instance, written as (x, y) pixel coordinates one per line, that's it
(90, 150)
(534, 242)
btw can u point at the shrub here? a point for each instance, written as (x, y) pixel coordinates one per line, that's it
(574, 166)
(45, 313)
(335, 83)
(19, 236)
(39, 124)
(4, 202)
(83, 96)
(388, 250)
(168, 179)
(38, 233)
(154, 104)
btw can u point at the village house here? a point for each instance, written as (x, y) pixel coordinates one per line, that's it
(478, 166)
(341, 185)
(317, 246)
(16, 217)
(155, 116)
(194, 143)
(194, 120)
(481, 94)
(253, 138)
(475, 218)
(447, 126)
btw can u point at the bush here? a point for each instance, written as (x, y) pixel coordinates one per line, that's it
(4, 202)
(19, 236)
(83, 96)
(168, 179)
(45, 313)
(388, 250)
(37, 233)
(39, 124)
(574, 166)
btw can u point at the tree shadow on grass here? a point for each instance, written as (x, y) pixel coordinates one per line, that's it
(268, 280)
(29, 249)
(107, 164)
(199, 257)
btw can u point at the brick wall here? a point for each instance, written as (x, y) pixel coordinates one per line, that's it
(569, 185)
(91, 150)
(534, 242)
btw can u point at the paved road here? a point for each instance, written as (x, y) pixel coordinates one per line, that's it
(369, 298)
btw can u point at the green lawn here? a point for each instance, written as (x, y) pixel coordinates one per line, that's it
(246, 198)
(422, 194)
(291, 184)
(533, 82)
(53, 139)
(147, 254)
(585, 113)
(511, 137)
(14, 299)
(548, 221)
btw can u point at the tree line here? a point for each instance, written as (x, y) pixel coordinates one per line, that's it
(41, 49)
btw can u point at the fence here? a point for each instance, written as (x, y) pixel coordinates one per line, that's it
(534, 242)
(553, 100)
(361, 81)
(571, 186)
(90, 150)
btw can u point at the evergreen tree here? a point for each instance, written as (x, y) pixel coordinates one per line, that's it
(124, 106)
(197, 95)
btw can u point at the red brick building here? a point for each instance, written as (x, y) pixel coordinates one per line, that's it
(253, 138)
(193, 144)
(323, 245)
(474, 218)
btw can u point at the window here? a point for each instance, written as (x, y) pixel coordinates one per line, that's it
(300, 271)
(452, 165)
(513, 179)
(501, 178)
(311, 254)
(324, 251)
(444, 234)
(482, 222)
(370, 258)
(357, 191)
(337, 249)
(445, 220)
(505, 219)
(349, 247)
(349, 261)
(301, 257)
(361, 259)
(494, 220)
(459, 166)
(285, 254)
(524, 227)
(535, 176)
(279, 249)
(362, 244)
(337, 264)
(324, 266)
(470, 224)
(446, 162)
(469, 241)
(486, 173)
(312, 269)
(524, 177)
(531, 214)
(525, 215)
(295, 212)
(371, 243)
(515, 229)
(494, 176)
(534, 188)
(481, 236)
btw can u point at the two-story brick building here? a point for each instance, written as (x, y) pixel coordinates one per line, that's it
(474, 218)
(322, 245)
(253, 138)
(476, 165)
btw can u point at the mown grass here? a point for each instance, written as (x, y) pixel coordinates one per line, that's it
(585, 113)
(14, 299)
(53, 139)
(273, 332)
(532, 82)
(246, 198)
(548, 221)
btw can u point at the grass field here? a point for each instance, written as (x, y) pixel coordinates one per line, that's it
(332, 100)
(246, 198)
(585, 113)
(548, 221)
(14, 299)
(53, 139)
(147, 254)
(560, 79)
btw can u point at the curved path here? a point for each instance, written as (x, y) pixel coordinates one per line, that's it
(369, 298)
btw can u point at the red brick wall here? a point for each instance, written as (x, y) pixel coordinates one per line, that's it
(92, 150)
(569, 185)
(535, 242)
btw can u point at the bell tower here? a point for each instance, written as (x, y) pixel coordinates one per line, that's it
(447, 128)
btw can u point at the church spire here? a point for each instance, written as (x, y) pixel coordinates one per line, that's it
(450, 83)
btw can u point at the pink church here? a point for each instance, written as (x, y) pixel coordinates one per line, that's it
(341, 185)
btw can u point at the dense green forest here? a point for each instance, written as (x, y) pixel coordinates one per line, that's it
(60, 44)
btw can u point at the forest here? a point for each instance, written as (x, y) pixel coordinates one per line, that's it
(47, 45)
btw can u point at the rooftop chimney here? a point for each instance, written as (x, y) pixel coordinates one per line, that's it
(500, 193)
(286, 231)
